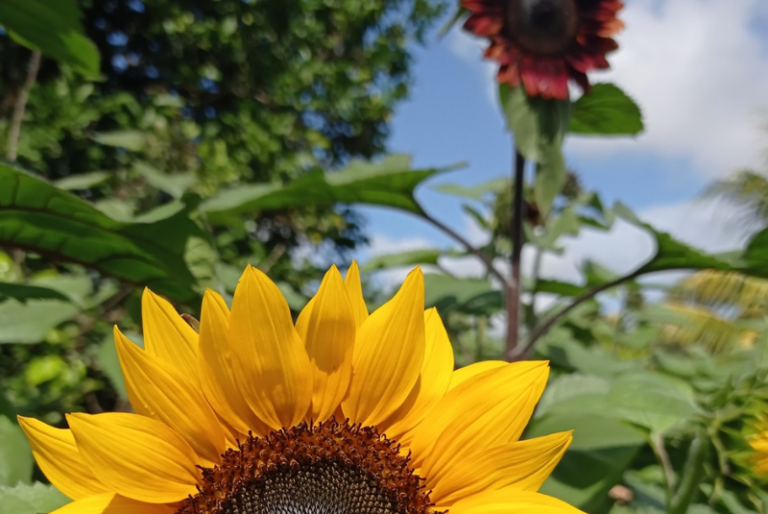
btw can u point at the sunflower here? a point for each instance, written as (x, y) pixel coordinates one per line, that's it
(759, 444)
(543, 43)
(345, 412)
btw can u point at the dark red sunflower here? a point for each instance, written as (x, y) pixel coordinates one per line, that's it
(543, 43)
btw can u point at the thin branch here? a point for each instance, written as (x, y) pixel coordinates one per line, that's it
(657, 445)
(14, 133)
(515, 289)
(552, 320)
(466, 244)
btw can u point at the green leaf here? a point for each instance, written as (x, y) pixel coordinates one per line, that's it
(602, 449)
(466, 295)
(607, 110)
(31, 499)
(651, 400)
(129, 139)
(389, 183)
(24, 292)
(82, 181)
(539, 126)
(30, 323)
(396, 260)
(175, 185)
(53, 27)
(15, 455)
(39, 217)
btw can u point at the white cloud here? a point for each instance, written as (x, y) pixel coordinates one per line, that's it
(698, 69)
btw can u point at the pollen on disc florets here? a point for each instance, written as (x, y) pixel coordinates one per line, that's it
(328, 468)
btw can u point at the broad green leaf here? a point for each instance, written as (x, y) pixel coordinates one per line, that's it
(576, 388)
(175, 185)
(755, 256)
(54, 28)
(539, 126)
(607, 110)
(479, 192)
(389, 183)
(466, 295)
(396, 260)
(560, 348)
(29, 323)
(31, 499)
(39, 217)
(602, 449)
(15, 454)
(651, 400)
(82, 181)
(24, 292)
(129, 139)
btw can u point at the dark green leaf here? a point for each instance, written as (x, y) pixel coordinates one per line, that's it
(390, 183)
(15, 454)
(39, 217)
(396, 260)
(53, 27)
(23, 292)
(31, 499)
(607, 110)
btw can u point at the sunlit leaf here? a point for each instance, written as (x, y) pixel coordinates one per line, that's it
(606, 110)
(128, 139)
(82, 180)
(31, 499)
(466, 295)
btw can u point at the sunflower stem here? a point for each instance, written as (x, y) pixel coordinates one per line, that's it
(514, 288)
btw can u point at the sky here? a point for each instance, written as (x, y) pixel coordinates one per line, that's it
(697, 68)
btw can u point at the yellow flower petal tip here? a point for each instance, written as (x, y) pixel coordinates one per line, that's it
(215, 409)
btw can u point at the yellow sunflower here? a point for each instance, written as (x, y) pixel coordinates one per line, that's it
(343, 413)
(759, 444)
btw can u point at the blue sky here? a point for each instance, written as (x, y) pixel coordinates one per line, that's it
(699, 70)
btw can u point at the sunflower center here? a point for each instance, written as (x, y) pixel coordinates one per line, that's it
(329, 468)
(544, 27)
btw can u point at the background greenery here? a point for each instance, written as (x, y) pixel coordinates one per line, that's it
(168, 143)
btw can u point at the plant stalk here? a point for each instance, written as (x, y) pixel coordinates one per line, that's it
(692, 474)
(14, 132)
(514, 288)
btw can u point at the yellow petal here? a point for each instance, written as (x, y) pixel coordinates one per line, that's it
(389, 351)
(355, 293)
(56, 453)
(217, 377)
(136, 457)
(167, 336)
(159, 391)
(508, 500)
(271, 365)
(523, 465)
(485, 411)
(467, 372)
(436, 372)
(111, 503)
(327, 327)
